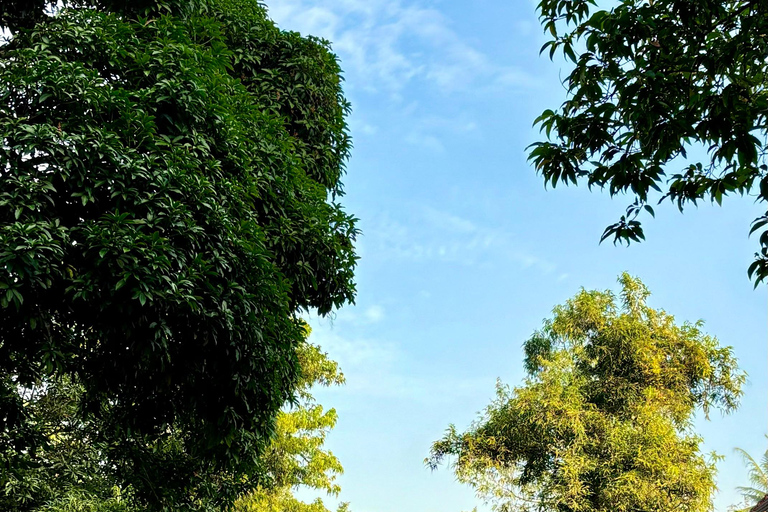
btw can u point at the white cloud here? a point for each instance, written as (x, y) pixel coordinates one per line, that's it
(374, 314)
(448, 222)
(378, 368)
(427, 131)
(352, 354)
(513, 78)
(431, 142)
(353, 315)
(435, 235)
(386, 44)
(366, 129)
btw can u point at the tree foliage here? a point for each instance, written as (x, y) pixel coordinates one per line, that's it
(66, 471)
(167, 206)
(19, 14)
(652, 81)
(296, 458)
(604, 419)
(71, 471)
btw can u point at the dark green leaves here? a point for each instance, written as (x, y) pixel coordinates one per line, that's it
(18, 14)
(654, 80)
(165, 212)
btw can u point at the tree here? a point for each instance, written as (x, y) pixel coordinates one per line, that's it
(70, 473)
(604, 419)
(66, 472)
(652, 81)
(167, 207)
(758, 481)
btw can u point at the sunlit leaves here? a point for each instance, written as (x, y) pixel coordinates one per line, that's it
(604, 420)
(296, 457)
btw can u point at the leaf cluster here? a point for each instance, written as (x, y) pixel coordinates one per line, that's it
(296, 457)
(651, 81)
(65, 471)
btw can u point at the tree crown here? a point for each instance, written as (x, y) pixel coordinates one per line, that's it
(603, 421)
(167, 207)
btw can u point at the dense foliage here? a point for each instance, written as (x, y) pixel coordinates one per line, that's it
(296, 458)
(70, 471)
(66, 472)
(653, 81)
(604, 420)
(167, 206)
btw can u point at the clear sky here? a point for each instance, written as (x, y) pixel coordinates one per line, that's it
(464, 252)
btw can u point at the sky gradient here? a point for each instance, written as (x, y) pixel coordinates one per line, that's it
(464, 252)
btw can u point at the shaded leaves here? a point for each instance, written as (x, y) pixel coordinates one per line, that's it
(651, 82)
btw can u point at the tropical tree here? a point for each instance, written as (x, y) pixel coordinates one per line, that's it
(758, 481)
(603, 421)
(168, 206)
(667, 99)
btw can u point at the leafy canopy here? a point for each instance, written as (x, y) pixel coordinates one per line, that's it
(167, 207)
(604, 420)
(652, 81)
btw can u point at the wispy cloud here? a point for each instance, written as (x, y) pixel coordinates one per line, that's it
(357, 316)
(429, 131)
(425, 140)
(385, 45)
(379, 368)
(436, 235)
(374, 314)
(356, 353)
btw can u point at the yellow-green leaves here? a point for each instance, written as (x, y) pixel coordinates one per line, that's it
(603, 421)
(296, 458)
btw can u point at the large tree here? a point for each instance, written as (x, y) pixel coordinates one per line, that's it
(167, 206)
(604, 420)
(652, 82)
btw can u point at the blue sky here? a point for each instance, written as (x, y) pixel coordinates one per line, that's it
(464, 252)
